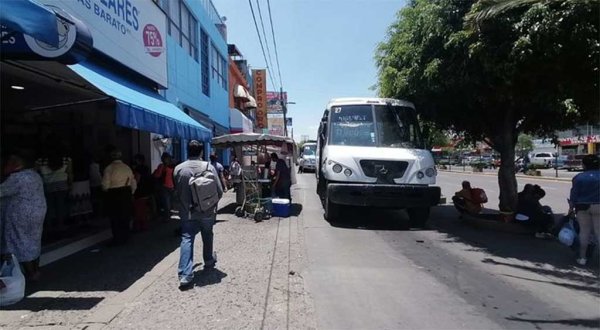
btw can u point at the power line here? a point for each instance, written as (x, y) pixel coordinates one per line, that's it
(259, 37)
(275, 44)
(262, 23)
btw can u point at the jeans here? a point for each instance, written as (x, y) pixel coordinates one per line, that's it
(165, 197)
(189, 229)
(589, 220)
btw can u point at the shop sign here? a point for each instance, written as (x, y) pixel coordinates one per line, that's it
(579, 140)
(260, 94)
(275, 101)
(132, 32)
(74, 42)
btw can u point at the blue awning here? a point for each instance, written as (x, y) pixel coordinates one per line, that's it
(142, 109)
(29, 17)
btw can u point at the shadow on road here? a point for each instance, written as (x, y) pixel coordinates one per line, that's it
(539, 252)
(208, 277)
(371, 219)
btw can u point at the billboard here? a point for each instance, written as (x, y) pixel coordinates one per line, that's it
(133, 32)
(276, 123)
(274, 103)
(260, 94)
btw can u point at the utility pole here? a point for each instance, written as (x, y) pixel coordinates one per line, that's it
(284, 108)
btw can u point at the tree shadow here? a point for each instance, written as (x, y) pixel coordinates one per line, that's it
(516, 245)
(588, 323)
(585, 288)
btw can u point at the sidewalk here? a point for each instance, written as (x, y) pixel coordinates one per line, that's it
(258, 282)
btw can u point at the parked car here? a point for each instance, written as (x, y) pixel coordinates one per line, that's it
(574, 163)
(545, 159)
(560, 162)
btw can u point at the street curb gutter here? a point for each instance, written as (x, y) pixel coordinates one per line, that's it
(72, 248)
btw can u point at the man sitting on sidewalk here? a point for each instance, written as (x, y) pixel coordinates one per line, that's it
(195, 218)
(464, 200)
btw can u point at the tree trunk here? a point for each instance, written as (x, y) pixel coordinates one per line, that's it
(507, 181)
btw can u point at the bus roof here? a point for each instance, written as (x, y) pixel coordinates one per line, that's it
(367, 100)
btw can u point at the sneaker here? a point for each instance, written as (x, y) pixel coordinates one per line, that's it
(582, 261)
(185, 284)
(211, 264)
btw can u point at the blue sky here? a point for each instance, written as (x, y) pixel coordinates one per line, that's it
(326, 48)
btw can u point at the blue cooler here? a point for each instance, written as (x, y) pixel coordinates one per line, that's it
(281, 207)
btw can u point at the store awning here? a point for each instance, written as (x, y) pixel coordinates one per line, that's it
(241, 92)
(142, 109)
(29, 17)
(251, 102)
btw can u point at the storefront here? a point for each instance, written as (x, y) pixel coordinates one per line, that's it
(589, 144)
(99, 84)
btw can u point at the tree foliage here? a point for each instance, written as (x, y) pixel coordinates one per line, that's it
(524, 144)
(531, 69)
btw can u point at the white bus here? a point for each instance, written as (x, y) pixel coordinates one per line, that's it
(371, 153)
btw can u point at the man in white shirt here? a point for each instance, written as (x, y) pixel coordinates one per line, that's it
(119, 184)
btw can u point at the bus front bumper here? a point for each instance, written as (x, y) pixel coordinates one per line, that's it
(383, 195)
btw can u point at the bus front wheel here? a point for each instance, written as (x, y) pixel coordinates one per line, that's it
(332, 210)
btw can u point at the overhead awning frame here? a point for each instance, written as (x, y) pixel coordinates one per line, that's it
(142, 109)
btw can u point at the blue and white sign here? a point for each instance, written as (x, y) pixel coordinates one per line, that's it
(133, 32)
(74, 42)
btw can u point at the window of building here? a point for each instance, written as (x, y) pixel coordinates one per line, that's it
(219, 67)
(204, 65)
(182, 25)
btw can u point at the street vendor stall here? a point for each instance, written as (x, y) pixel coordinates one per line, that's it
(253, 149)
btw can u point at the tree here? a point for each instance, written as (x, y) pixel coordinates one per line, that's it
(531, 69)
(524, 144)
(493, 8)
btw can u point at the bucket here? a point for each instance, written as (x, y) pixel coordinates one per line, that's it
(281, 207)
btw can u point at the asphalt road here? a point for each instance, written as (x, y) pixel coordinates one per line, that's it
(370, 271)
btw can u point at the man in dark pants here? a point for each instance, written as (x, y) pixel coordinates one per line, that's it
(193, 219)
(119, 183)
(282, 181)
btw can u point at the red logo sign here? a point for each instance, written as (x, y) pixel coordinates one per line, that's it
(152, 40)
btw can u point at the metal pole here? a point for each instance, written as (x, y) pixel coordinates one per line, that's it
(284, 108)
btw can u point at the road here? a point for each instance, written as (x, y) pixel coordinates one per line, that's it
(371, 272)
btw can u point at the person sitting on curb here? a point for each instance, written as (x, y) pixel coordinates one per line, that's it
(534, 215)
(464, 202)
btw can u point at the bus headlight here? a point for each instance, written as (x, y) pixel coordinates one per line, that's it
(337, 168)
(420, 175)
(430, 172)
(348, 172)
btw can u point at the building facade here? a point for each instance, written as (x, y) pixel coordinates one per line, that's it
(197, 64)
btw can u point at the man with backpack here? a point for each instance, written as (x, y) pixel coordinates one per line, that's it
(199, 189)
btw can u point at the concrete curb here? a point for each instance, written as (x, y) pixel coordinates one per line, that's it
(568, 180)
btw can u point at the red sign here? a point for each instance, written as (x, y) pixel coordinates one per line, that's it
(152, 40)
(260, 94)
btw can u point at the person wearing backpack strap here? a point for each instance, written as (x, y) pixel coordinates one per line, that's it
(199, 189)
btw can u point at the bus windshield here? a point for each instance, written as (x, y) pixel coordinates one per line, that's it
(374, 126)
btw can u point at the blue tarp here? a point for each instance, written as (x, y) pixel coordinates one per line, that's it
(29, 17)
(142, 109)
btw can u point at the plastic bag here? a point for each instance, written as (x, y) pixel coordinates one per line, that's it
(13, 279)
(567, 234)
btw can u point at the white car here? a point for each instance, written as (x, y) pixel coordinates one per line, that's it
(308, 160)
(542, 159)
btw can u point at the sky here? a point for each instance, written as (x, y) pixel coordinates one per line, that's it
(326, 48)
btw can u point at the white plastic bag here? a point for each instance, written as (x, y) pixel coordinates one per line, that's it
(14, 281)
(567, 234)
